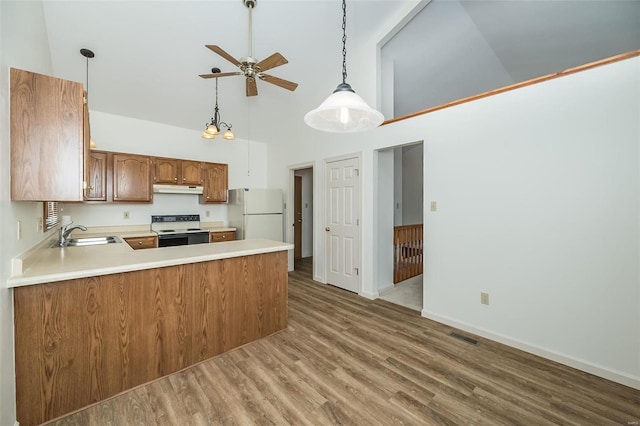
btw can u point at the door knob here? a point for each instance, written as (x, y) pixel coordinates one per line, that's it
(299, 220)
(327, 229)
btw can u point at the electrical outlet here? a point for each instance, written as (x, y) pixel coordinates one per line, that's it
(434, 206)
(484, 298)
(207, 213)
(19, 230)
(39, 225)
(125, 215)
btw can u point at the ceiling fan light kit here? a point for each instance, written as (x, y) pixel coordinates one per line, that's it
(343, 111)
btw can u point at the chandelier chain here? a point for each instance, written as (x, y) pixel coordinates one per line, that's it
(344, 41)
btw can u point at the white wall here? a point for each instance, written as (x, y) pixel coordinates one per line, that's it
(116, 133)
(412, 184)
(397, 186)
(23, 45)
(537, 194)
(385, 169)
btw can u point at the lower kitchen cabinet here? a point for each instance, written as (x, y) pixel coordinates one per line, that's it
(138, 243)
(217, 237)
(83, 340)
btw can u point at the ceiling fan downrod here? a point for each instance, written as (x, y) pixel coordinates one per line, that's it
(250, 4)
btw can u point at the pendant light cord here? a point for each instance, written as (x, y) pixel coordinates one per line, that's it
(344, 41)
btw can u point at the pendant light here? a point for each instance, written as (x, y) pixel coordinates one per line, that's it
(213, 129)
(88, 54)
(344, 111)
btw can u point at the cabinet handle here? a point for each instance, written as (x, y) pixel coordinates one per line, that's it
(175, 178)
(139, 243)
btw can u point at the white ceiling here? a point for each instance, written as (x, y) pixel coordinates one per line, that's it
(149, 53)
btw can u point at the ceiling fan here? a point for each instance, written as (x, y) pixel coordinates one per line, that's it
(250, 67)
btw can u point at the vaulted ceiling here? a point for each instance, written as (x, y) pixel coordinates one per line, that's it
(149, 53)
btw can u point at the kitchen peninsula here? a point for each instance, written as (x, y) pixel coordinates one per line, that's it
(94, 321)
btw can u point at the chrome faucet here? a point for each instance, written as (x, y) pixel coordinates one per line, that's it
(67, 229)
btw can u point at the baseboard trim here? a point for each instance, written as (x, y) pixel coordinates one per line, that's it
(595, 369)
(370, 296)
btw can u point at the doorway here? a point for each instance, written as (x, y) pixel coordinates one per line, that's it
(302, 217)
(400, 207)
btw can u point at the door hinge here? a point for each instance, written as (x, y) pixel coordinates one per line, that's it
(357, 172)
(357, 222)
(357, 271)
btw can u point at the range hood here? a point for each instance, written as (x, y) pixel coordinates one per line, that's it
(177, 189)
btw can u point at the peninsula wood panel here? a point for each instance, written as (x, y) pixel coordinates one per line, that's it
(81, 341)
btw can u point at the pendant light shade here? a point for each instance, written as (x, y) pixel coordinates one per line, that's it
(344, 111)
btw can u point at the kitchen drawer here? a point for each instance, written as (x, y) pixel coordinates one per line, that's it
(142, 242)
(217, 237)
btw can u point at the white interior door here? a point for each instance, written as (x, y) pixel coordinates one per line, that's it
(343, 224)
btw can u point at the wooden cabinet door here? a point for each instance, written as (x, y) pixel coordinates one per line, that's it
(215, 182)
(191, 172)
(47, 137)
(97, 181)
(166, 170)
(132, 178)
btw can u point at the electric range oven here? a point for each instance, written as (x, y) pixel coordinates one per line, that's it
(178, 230)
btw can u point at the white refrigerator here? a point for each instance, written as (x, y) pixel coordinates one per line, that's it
(256, 213)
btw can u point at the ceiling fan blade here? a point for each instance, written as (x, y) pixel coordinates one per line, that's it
(272, 61)
(219, 51)
(286, 84)
(252, 89)
(220, 74)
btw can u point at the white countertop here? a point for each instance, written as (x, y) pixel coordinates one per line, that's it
(56, 264)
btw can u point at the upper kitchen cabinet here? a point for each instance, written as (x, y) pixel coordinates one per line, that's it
(175, 171)
(132, 178)
(215, 182)
(97, 180)
(191, 172)
(166, 170)
(48, 144)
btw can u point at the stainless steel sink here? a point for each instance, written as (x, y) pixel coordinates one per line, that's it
(88, 241)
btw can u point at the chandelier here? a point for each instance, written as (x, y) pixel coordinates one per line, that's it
(213, 129)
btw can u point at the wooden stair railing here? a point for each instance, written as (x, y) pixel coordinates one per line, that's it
(407, 252)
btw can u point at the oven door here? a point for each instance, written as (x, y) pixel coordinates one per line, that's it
(173, 240)
(198, 238)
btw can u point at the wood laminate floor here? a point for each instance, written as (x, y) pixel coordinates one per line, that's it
(348, 360)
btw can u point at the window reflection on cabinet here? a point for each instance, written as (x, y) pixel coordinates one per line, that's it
(132, 178)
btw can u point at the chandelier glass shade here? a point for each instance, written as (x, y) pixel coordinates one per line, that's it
(213, 128)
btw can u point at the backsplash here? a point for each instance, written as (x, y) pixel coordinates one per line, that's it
(113, 214)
